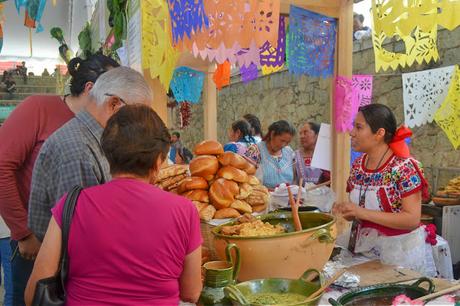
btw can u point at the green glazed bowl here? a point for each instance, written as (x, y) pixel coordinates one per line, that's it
(383, 294)
(239, 294)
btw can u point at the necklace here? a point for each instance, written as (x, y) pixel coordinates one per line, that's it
(367, 180)
(355, 227)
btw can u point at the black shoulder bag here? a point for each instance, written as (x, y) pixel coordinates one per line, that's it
(51, 291)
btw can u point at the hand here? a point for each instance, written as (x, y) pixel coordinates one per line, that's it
(29, 247)
(349, 211)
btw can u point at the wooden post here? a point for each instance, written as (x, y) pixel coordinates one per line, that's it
(30, 42)
(160, 99)
(210, 106)
(341, 141)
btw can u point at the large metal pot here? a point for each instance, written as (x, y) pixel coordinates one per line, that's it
(285, 255)
(240, 294)
(383, 294)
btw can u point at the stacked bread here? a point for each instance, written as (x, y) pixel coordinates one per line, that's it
(170, 177)
(223, 185)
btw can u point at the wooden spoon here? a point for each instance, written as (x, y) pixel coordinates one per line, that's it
(299, 193)
(319, 185)
(294, 210)
(439, 293)
(326, 285)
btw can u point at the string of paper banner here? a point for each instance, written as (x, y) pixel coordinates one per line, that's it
(252, 35)
(34, 10)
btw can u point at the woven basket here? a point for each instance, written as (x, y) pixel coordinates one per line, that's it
(208, 239)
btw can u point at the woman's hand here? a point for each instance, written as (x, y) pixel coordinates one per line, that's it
(347, 210)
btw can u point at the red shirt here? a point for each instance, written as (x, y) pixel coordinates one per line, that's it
(21, 137)
(127, 244)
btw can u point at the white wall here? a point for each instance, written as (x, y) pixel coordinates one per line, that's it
(364, 9)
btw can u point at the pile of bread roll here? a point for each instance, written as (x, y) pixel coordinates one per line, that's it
(222, 185)
(170, 177)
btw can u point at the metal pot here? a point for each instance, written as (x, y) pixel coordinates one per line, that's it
(284, 255)
(239, 294)
(383, 294)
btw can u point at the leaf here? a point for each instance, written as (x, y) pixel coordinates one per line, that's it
(84, 40)
(57, 33)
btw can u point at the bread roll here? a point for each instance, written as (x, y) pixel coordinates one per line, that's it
(207, 213)
(252, 180)
(234, 160)
(171, 181)
(245, 191)
(232, 173)
(250, 169)
(197, 195)
(175, 185)
(222, 193)
(174, 190)
(205, 166)
(241, 206)
(254, 200)
(260, 188)
(259, 208)
(226, 213)
(199, 205)
(192, 183)
(208, 147)
(173, 170)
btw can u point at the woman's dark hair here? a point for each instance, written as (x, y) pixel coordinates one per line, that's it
(314, 127)
(278, 128)
(87, 70)
(245, 129)
(380, 116)
(177, 134)
(135, 155)
(255, 124)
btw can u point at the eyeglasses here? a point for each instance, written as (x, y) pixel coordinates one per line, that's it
(121, 100)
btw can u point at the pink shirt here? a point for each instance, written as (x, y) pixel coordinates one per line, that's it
(127, 244)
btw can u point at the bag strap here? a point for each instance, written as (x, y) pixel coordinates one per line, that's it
(67, 213)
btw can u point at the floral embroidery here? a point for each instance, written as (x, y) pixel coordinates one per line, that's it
(397, 179)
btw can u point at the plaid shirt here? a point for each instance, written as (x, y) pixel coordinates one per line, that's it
(71, 156)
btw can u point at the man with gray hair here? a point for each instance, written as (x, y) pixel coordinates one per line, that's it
(73, 155)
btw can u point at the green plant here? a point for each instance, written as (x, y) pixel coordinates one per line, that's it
(64, 50)
(57, 33)
(84, 41)
(118, 20)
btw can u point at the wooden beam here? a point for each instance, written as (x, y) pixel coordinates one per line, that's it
(160, 99)
(327, 11)
(210, 106)
(341, 141)
(314, 3)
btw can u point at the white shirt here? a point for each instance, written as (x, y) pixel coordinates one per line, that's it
(4, 230)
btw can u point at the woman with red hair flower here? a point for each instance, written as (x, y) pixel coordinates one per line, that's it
(386, 186)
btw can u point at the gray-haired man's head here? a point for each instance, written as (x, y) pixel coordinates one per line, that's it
(114, 89)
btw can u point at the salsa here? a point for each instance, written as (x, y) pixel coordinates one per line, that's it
(275, 298)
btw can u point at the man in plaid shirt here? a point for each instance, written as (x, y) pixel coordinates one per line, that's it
(73, 154)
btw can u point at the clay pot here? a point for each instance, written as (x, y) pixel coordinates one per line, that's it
(285, 255)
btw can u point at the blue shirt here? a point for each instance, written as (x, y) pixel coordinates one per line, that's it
(276, 170)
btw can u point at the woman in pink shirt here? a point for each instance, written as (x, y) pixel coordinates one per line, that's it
(130, 243)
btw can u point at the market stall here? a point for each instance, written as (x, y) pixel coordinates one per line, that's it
(223, 186)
